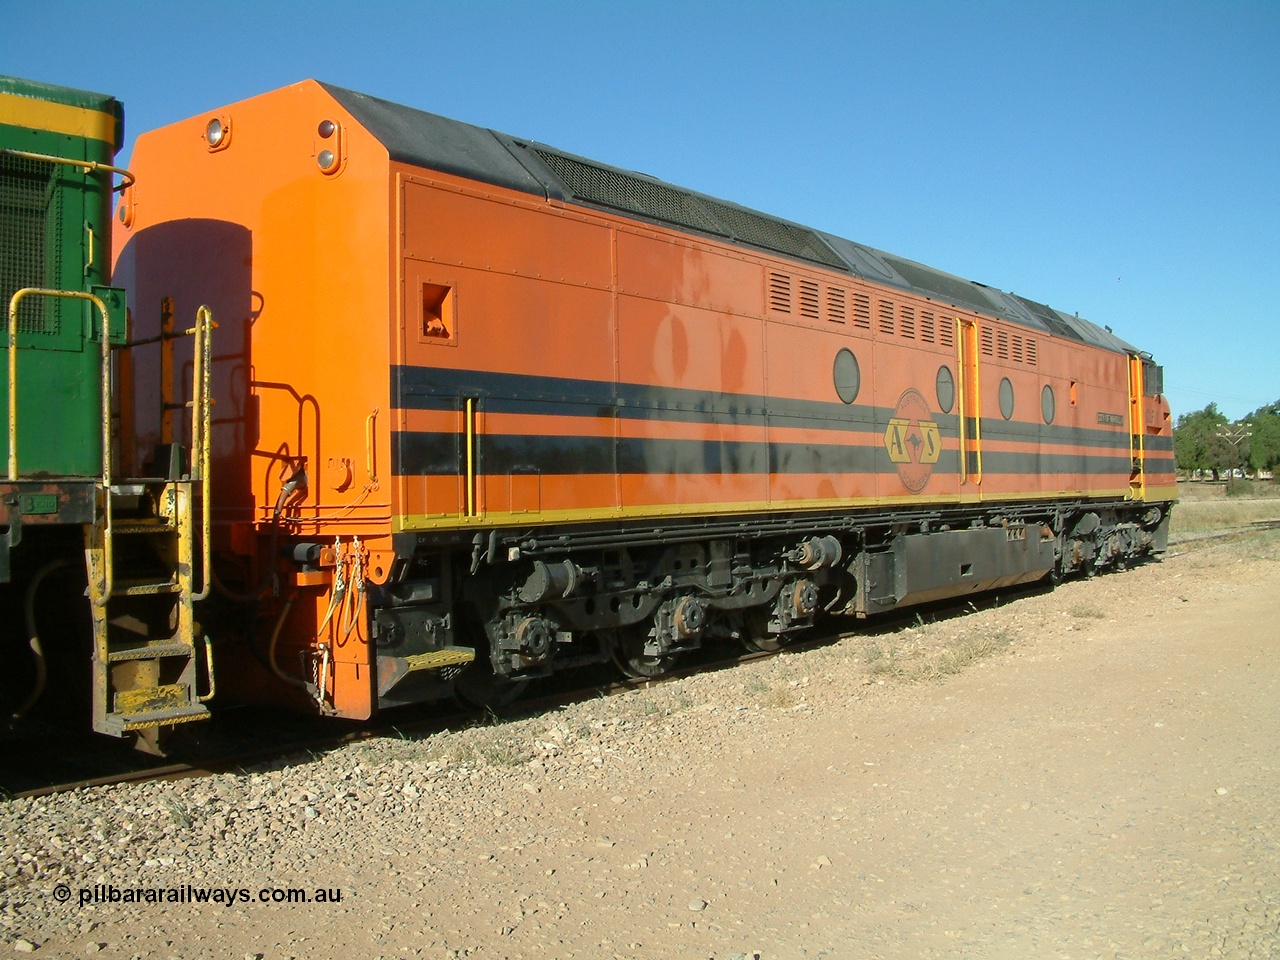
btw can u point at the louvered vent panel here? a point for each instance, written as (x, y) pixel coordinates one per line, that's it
(988, 342)
(1002, 345)
(927, 327)
(779, 293)
(1017, 349)
(886, 317)
(836, 308)
(947, 332)
(862, 311)
(1031, 352)
(809, 300)
(907, 322)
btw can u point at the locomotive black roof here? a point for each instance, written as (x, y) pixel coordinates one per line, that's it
(450, 146)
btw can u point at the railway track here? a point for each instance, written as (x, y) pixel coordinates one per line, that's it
(50, 763)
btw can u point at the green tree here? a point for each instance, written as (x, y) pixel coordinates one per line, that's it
(1197, 443)
(1264, 445)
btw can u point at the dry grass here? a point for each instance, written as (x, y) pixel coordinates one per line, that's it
(897, 658)
(495, 746)
(969, 650)
(770, 692)
(1242, 546)
(1214, 516)
(780, 698)
(1086, 611)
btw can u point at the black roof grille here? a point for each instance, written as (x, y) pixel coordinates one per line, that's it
(942, 284)
(772, 234)
(657, 201)
(1050, 318)
(612, 188)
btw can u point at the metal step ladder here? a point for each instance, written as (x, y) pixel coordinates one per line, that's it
(142, 560)
(145, 649)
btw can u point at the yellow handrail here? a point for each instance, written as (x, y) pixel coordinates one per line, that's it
(470, 426)
(91, 165)
(1137, 430)
(201, 419)
(962, 387)
(16, 299)
(370, 459)
(967, 360)
(977, 396)
(208, 660)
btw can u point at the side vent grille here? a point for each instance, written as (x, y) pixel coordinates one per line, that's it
(1031, 352)
(30, 202)
(809, 301)
(862, 311)
(988, 342)
(779, 293)
(1017, 349)
(947, 332)
(812, 300)
(1002, 344)
(886, 317)
(907, 322)
(927, 327)
(836, 310)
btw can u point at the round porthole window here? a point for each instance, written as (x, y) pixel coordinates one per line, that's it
(1048, 407)
(1006, 399)
(847, 376)
(946, 387)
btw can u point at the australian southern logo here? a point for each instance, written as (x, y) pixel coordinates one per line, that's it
(912, 440)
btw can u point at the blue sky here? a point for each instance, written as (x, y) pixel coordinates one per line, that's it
(1116, 159)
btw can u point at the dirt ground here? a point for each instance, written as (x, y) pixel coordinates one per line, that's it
(1092, 772)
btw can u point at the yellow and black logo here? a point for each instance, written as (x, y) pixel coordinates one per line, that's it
(912, 440)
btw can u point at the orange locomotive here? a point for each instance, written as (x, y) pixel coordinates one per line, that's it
(485, 409)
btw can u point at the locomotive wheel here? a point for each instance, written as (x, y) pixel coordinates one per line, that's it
(478, 686)
(764, 643)
(756, 637)
(627, 649)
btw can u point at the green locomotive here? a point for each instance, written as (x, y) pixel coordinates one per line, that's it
(56, 150)
(64, 505)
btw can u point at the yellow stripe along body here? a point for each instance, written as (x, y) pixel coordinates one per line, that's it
(19, 111)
